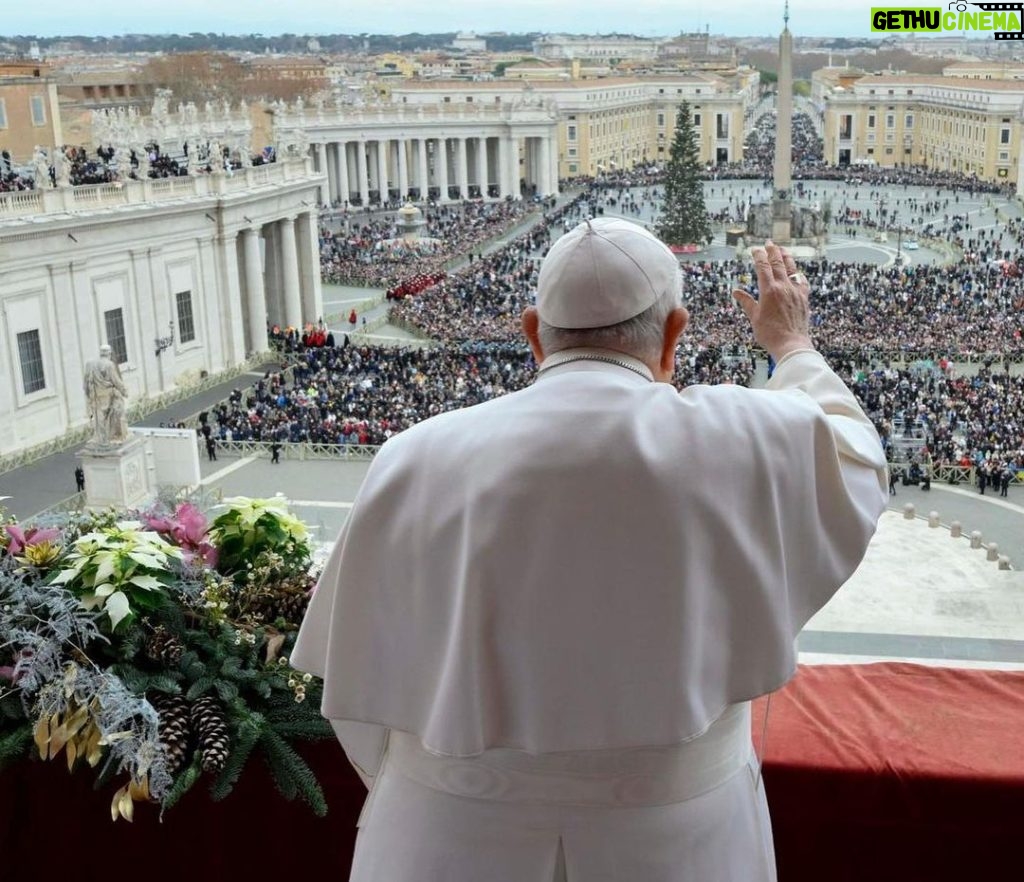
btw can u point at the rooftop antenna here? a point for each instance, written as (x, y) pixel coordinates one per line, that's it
(785, 15)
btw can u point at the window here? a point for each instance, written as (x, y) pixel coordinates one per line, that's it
(871, 120)
(186, 324)
(661, 119)
(30, 353)
(572, 168)
(447, 99)
(469, 99)
(38, 110)
(890, 120)
(572, 151)
(113, 319)
(1004, 136)
(722, 126)
(846, 126)
(3, 114)
(696, 120)
(908, 121)
(571, 132)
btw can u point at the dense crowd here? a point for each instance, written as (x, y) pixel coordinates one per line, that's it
(864, 318)
(969, 421)
(373, 251)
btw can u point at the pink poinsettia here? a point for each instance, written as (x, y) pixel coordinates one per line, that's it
(187, 528)
(18, 539)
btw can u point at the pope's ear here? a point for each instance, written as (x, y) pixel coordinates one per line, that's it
(531, 330)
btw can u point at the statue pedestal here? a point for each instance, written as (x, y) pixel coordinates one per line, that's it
(116, 476)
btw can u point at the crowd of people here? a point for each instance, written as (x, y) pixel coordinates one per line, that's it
(865, 319)
(967, 420)
(373, 251)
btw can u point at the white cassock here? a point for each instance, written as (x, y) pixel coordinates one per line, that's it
(542, 624)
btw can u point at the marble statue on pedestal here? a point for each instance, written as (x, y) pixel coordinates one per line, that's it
(105, 393)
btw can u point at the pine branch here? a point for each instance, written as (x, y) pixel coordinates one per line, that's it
(290, 772)
(251, 732)
(14, 745)
(183, 783)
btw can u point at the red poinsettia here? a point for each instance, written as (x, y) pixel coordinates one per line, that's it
(187, 528)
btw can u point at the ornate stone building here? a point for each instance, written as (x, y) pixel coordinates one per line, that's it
(956, 124)
(179, 276)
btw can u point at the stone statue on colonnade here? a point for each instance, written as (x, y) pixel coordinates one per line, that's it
(105, 393)
(41, 169)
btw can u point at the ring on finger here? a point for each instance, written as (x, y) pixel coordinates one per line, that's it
(797, 278)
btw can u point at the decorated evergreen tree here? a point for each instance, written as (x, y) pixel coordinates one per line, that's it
(684, 217)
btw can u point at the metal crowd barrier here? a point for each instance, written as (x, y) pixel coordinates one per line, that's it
(295, 450)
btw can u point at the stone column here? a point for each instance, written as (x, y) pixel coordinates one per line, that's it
(403, 170)
(462, 167)
(308, 236)
(552, 140)
(339, 170)
(255, 293)
(70, 362)
(364, 180)
(504, 187)
(382, 170)
(290, 272)
(546, 157)
(441, 167)
(513, 166)
(328, 193)
(423, 177)
(481, 166)
(231, 298)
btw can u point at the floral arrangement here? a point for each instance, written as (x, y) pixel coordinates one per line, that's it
(153, 648)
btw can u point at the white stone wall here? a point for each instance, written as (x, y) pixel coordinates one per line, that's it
(61, 271)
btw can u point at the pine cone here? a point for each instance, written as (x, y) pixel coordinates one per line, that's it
(288, 604)
(164, 647)
(175, 729)
(211, 727)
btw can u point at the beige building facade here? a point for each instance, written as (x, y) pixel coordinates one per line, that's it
(613, 122)
(971, 126)
(29, 110)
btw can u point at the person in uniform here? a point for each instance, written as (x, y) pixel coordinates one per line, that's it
(546, 615)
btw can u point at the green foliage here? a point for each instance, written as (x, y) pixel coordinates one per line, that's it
(684, 216)
(291, 774)
(251, 528)
(184, 782)
(120, 569)
(190, 632)
(15, 744)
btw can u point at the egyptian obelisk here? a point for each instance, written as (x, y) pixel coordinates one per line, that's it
(782, 206)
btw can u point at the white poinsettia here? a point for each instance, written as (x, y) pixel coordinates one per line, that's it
(248, 527)
(113, 569)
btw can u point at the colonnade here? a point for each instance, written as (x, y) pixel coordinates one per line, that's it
(373, 170)
(280, 263)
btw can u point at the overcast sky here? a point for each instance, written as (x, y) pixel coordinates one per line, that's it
(643, 17)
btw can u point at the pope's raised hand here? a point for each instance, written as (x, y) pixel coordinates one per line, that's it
(780, 317)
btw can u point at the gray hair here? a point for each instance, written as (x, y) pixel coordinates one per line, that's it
(640, 336)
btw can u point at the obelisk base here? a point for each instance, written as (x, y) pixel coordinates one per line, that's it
(116, 476)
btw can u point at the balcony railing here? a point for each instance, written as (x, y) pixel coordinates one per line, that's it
(72, 200)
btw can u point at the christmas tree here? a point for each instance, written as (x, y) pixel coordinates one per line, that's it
(684, 217)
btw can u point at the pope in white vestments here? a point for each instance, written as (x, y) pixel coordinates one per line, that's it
(543, 623)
